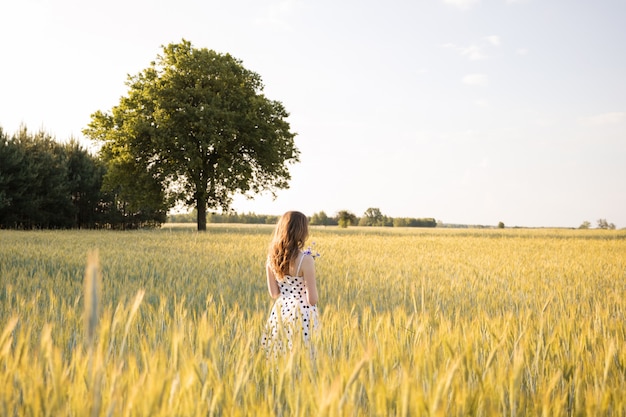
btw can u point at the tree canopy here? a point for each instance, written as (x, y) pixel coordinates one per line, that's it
(46, 184)
(197, 122)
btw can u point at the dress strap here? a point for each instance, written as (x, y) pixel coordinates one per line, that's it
(299, 264)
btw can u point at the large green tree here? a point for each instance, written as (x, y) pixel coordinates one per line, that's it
(198, 122)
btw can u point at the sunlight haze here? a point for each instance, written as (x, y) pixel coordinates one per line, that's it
(468, 111)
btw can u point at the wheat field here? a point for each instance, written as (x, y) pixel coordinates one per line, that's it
(415, 322)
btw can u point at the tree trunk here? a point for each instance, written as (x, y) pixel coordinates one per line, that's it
(201, 209)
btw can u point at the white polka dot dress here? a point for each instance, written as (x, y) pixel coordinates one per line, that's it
(291, 315)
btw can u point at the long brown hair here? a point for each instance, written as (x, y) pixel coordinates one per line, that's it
(290, 234)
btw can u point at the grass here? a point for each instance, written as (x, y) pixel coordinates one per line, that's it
(414, 322)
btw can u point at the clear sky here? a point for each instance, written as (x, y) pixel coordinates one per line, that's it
(468, 111)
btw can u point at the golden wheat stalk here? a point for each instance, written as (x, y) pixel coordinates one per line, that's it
(92, 286)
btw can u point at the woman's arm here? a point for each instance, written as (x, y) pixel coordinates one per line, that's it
(308, 269)
(272, 284)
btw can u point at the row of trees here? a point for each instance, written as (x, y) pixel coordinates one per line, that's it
(371, 217)
(46, 184)
(344, 218)
(229, 217)
(601, 224)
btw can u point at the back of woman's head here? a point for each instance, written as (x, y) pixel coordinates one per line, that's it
(290, 234)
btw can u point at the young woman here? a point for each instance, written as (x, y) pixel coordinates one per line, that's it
(291, 282)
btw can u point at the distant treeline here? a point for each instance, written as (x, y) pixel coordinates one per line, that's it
(248, 218)
(343, 218)
(45, 184)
